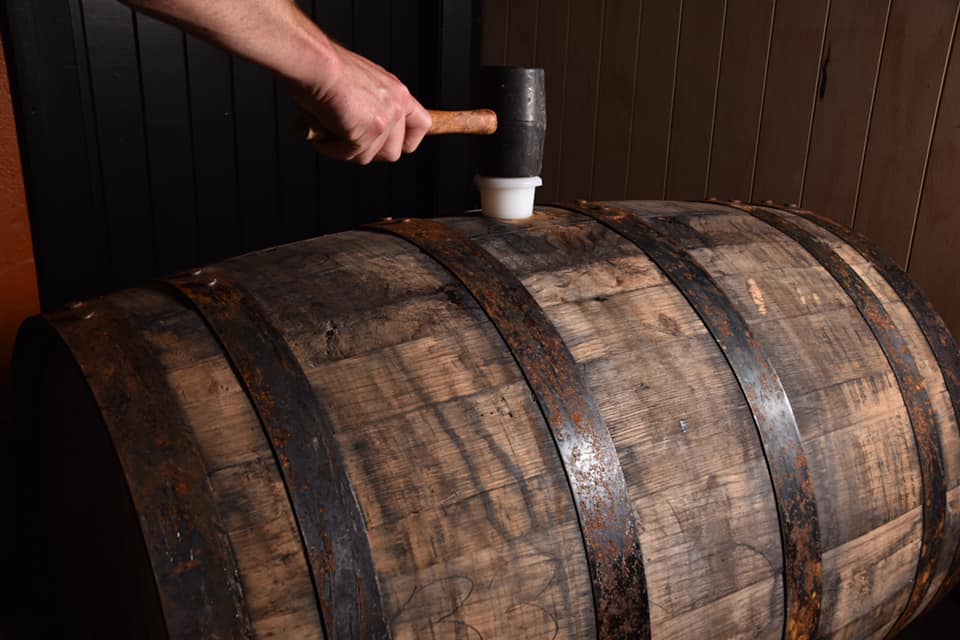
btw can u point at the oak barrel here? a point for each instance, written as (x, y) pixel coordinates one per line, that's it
(635, 419)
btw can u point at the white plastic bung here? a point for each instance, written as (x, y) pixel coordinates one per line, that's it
(507, 198)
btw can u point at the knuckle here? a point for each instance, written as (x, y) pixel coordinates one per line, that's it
(377, 127)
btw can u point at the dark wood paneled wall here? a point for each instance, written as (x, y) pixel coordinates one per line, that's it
(847, 107)
(147, 150)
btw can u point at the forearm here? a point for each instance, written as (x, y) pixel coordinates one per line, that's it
(274, 33)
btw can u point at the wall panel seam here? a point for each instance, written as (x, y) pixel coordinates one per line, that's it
(633, 101)
(873, 103)
(716, 96)
(816, 100)
(933, 131)
(673, 99)
(763, 98)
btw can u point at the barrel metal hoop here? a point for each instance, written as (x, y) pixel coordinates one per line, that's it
(193, 563)
(773, 416)
(586, 449)
(912, 388)
(325, 507)
(941, 341)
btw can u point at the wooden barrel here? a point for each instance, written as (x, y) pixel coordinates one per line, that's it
(637, 419)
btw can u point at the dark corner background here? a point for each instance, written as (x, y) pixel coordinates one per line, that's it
(147, 151)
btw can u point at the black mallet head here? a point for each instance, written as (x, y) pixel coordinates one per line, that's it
(518, 97)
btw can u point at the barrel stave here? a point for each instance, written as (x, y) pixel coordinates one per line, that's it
(695, 471)
(467, 511)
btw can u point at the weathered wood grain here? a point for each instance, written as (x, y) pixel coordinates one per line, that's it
(469, 515)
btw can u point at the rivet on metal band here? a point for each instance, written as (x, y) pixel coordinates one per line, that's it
(941, 341)
(328, 515)
(775, 422)
(193, 563)
(912, 388)
(610, 533)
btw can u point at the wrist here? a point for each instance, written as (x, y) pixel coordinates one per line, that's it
(317, 63)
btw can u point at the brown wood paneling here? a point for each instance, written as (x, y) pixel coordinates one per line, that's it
(698, 60)
(580, 98)
(746, 41)
(908, 92)
(18, 278)
(551, 55)
(522, 33)
(493, 48)
(798, 30)
(848, 76)
(938, 223)
(618, 63)
(649, 132)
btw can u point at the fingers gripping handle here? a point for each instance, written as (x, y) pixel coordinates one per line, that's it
(481, 122)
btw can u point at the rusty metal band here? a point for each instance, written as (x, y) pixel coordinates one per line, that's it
(607, 522)
(325, 507)
(912, 388)
(773, 416)
(193, 563)
(941, 341)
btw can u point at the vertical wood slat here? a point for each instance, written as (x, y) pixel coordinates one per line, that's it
(45, 54)
(118, 110)
(617, 93)
(209, 79)
(551, 55)
(453, 183)
(649, 132)
(256, 148)
(938, 229)
(521, 45)
(580, 99)
(908, 90)
(166, 115)
(296, 172)
(739, 94)
(848, 74)
(798, 31)
(494, 47)
(698, 60)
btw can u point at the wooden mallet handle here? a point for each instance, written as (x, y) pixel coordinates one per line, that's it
(482, 122)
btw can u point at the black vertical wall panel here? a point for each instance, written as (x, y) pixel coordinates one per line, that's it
(210, 86)
(297, 173)
(166, 116)
(455, 183)
(147, 151)
(115, 79)
(59, 170)
(255, 115)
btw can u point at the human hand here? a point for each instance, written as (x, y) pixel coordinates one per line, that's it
(361, 112)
